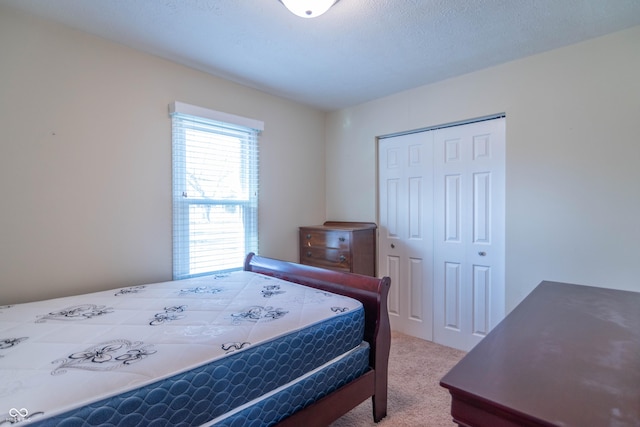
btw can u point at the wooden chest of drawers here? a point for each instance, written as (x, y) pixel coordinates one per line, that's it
(343, 246)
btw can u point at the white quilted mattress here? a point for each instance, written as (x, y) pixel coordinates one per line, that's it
(54, 353)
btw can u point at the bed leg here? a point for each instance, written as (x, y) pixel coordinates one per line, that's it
(379, 405)
(382, 346)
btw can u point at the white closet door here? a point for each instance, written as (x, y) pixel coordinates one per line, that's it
(441, 232)
(406, 232)
(469, 231)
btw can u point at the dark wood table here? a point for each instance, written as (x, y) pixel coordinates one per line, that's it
(568, 355)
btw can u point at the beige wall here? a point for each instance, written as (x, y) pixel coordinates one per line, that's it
(573, 154)
(85, 157)
(85, 161)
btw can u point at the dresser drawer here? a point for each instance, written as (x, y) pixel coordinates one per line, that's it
(325, 239)
(326, 258)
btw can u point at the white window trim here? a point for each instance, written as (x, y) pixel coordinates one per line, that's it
(181, 268)
(194, 110)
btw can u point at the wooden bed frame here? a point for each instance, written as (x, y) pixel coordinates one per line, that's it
(373, 293)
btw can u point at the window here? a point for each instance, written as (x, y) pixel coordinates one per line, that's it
(215, 190)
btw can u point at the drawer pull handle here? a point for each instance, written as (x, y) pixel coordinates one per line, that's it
(308, 236)
(342, 239)
(393, 246)
(342, 258)
(482, 253)
(309, 254)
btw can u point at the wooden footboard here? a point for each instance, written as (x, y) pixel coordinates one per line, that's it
(373, 293)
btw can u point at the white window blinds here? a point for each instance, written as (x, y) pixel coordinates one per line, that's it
(215, 190)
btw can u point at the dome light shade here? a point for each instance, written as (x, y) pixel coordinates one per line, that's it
(308, 8)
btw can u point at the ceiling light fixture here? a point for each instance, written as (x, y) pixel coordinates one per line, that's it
(308, 8)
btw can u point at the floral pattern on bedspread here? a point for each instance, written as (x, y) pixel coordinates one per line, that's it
(10, 342)
(271, 290)
(201, 290)
(168, 315)
(230, 347)
(139, 334)
(6, 343)
(105, 356)
(256, 313)
(76, 312)
(131, 290)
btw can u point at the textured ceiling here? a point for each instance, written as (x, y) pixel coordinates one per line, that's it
(358, 51)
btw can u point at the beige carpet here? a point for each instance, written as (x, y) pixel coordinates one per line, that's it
(415, 396)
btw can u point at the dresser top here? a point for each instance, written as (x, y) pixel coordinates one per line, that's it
(342, 225)
(568, 355)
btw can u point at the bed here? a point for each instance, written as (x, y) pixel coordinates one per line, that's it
(275, 344)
